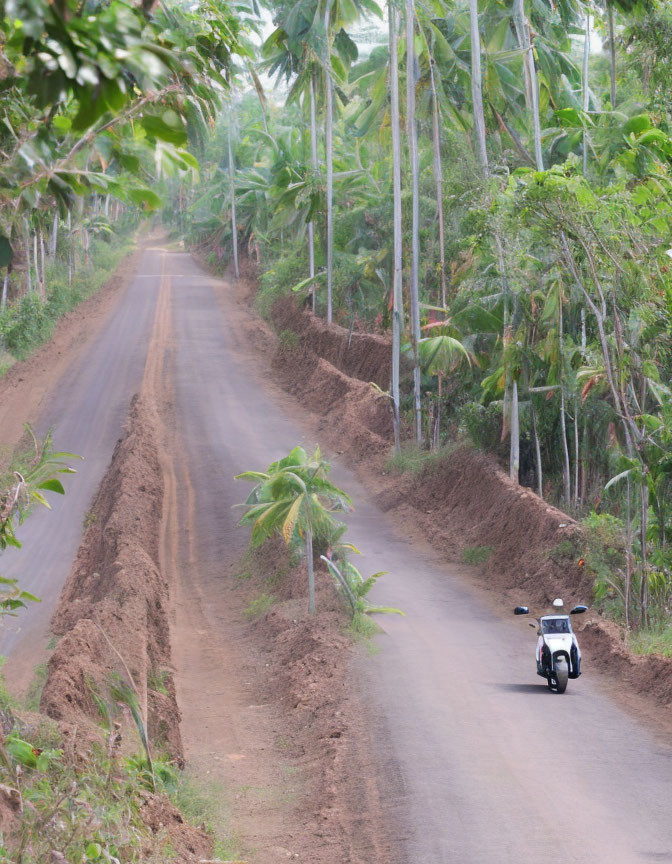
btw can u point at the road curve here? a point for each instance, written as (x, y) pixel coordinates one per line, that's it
(477, 762)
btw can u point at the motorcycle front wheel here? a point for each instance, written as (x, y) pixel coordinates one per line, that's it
(561, 675)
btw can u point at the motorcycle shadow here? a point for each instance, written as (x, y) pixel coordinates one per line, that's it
(539, 689)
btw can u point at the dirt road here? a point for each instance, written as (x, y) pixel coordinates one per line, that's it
(477, 762)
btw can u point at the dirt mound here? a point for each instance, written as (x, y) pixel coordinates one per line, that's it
(362, 417)
(473, 503)
(114, 604)
(309, 659)
(365, 356)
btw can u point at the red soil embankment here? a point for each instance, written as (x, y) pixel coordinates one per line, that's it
(116, 590)
(365, 356)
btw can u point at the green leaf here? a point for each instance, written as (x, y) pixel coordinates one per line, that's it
(158, 128)
(52, 485)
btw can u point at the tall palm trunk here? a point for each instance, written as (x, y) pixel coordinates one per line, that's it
(438, 179)
(54, 237)
(514, 458)
(397, 293)
(566, 475)
(232, 192)
(329, 155)
(29, 278)
(313, 154)
(311, 571)
(522, 26)
(537, 451)
(412, 130)
(476, 87)
(44, 269)
(71, 261)
(643, 528)
(612, 53)
(586, 92)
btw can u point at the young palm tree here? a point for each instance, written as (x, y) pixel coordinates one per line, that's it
(294, 498)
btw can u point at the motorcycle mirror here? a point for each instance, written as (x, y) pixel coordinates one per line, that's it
(579, 610)
(521, 610)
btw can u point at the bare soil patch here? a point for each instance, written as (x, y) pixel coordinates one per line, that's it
(324, 732)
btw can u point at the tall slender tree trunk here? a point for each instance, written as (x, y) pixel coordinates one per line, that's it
(3, 299)
(313, 155)
(397, 293)
(438, 179)
(44, 269)
(436, 437)
(232, 192)
(476, 87)
(577, 453)
(586, 91)
(412, 131)
(311, 571)
(329, 155)
(537, 451)
(522, 26)
(628, 550)
(107, 205)
(643, 528)
(71, 261)
(566, 472)
(514, 459)
(612, 53)
(29, 278)
(54, 238)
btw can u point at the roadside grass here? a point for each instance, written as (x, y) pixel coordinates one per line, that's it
(259, 606)
(27, 323)
(34, 691)
(412, 460)
(206, 804)
(157, 680)
(652, 642)
(475, 555)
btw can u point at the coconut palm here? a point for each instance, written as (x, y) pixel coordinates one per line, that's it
(295, 499)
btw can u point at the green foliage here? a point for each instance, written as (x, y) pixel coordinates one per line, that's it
(652, 642)
(277, 282)
(476, 555)
(259, 606)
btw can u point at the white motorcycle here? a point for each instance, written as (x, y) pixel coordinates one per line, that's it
(558, 654)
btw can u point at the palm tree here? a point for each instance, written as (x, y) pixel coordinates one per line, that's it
(294, 498)
(397, 294)
(232, 188)
(477, 87)
(412, 129)
(440, 355)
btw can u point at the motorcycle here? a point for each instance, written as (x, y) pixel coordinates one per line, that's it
(558, 654)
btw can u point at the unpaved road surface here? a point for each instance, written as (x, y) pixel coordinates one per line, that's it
(477, 761)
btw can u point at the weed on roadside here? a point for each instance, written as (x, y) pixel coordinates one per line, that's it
(412, 460)
(34, 692)
(476, 554)
(652, 642)
(259, 606)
